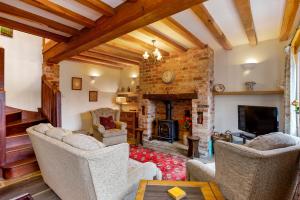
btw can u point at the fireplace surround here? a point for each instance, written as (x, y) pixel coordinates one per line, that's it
(192, 87)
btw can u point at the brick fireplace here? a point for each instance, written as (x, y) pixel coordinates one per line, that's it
(190, 91)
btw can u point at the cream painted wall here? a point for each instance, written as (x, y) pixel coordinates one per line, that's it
(268, 74)
(75, 104)
(23, 70)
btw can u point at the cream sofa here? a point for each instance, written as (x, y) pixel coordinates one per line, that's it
(112, 136)
(103, 174)
(244, 173)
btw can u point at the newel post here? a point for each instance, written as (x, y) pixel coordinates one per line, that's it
(2, 110)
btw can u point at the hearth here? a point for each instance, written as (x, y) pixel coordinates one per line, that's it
(168, 129)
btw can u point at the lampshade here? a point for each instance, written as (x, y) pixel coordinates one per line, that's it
(121, 100)
(248, 66)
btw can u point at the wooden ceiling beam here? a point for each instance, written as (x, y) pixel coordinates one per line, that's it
(128, 17)
(105, 59)
(162, 38)
(212, 26)
(95, 56)
(244, 9)
(5, 8)
(119, 52)
(106, 56)
(290, 12)
(98, 6)
(174, 25)
(48, 45)
(61, 11)
(141, 43)
(96, 61)
(31, 30)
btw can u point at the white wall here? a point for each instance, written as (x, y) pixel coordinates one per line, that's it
(23, 70)
(75, 104)
(268, 74)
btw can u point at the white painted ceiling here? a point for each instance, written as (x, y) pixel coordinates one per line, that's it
(267, 16)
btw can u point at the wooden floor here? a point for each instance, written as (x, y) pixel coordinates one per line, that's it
(33, 185)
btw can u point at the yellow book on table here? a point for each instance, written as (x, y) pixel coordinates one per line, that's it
(176, 193)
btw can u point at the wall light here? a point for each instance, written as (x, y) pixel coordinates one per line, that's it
(93, 78)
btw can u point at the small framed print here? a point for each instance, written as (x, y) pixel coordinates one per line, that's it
(8, 32)
(76, 83)
(93, 96)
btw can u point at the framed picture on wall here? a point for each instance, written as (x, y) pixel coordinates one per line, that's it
(93, 96)
(76, 83)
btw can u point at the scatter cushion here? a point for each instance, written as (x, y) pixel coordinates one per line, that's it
(271, 141)
(107, 122)
(58, 133)
(83, 142)
(42, 127)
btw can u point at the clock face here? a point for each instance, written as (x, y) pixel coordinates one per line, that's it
(168, 77)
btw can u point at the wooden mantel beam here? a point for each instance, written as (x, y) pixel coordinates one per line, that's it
(128, 17)
(291, 8)
(244, 9)
(212, 26)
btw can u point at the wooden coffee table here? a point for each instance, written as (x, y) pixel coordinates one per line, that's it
(156, 190)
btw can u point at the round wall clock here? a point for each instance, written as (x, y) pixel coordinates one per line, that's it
(219, 88)
(168, 76)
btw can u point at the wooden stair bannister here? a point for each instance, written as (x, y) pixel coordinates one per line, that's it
(51, 102)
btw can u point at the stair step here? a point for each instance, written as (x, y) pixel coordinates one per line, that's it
(21, 125)
(19, 153)
(12, 114)
(17, 140)
(20, 168)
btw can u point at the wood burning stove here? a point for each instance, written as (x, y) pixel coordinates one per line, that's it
(168, 129)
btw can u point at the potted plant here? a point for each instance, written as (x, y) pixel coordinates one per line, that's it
(295, 103)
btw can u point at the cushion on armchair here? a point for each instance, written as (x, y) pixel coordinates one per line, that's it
(107, 122)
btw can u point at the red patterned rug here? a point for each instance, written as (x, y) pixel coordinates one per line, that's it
(171, 166)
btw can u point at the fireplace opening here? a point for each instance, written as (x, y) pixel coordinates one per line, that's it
(168, 129)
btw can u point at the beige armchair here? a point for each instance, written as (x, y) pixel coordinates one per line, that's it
(244, 173)
(111, 136)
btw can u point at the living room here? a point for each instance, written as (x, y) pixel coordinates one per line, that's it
(202, 94)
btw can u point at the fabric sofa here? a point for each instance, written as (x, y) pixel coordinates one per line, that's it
(105, 173)
(245, 173)
(111, 136)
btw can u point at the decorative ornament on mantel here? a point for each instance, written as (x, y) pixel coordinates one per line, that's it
(154, 57)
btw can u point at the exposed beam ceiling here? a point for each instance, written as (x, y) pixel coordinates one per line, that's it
(87, 60)
(244, 9)
(31, 30)
(105, 56)
(212, 26)
(128, 17)
(124, 53)
(98, 6)
(162, 38)
(48, 45)
(36, 18)
(61, 11)
(291, 8)
(147, 46)
(174, 25)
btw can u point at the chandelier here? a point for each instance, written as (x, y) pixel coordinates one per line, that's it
(154, 57)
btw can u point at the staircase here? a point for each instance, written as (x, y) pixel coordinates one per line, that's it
(19, 155)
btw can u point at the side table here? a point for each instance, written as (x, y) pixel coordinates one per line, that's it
(138, 136)
(193, 142)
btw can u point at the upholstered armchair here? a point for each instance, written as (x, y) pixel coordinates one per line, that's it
(111, 136)
(244, 173)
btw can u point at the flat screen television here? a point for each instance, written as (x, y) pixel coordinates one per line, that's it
(258, 120)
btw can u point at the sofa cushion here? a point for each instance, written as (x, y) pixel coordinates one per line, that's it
(42, 127)
(271, 141)
(107, 122)
(83, 142)
(58, 133)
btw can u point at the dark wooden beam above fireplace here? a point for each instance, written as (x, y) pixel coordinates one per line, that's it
(171, 97)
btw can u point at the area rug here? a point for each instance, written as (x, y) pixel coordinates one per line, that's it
(171, 166)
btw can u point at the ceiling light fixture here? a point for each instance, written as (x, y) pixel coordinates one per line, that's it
(154, 57)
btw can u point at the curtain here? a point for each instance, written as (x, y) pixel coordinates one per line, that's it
(291, 91)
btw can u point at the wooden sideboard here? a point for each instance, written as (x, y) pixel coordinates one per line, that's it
(131, 118)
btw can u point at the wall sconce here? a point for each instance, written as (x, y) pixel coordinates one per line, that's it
(248, 66)
(133, 78)
(93, 79)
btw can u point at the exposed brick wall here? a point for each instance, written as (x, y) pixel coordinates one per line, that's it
(51, 71)
(193, 73)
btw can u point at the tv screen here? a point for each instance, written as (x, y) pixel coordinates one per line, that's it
(258, 120)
